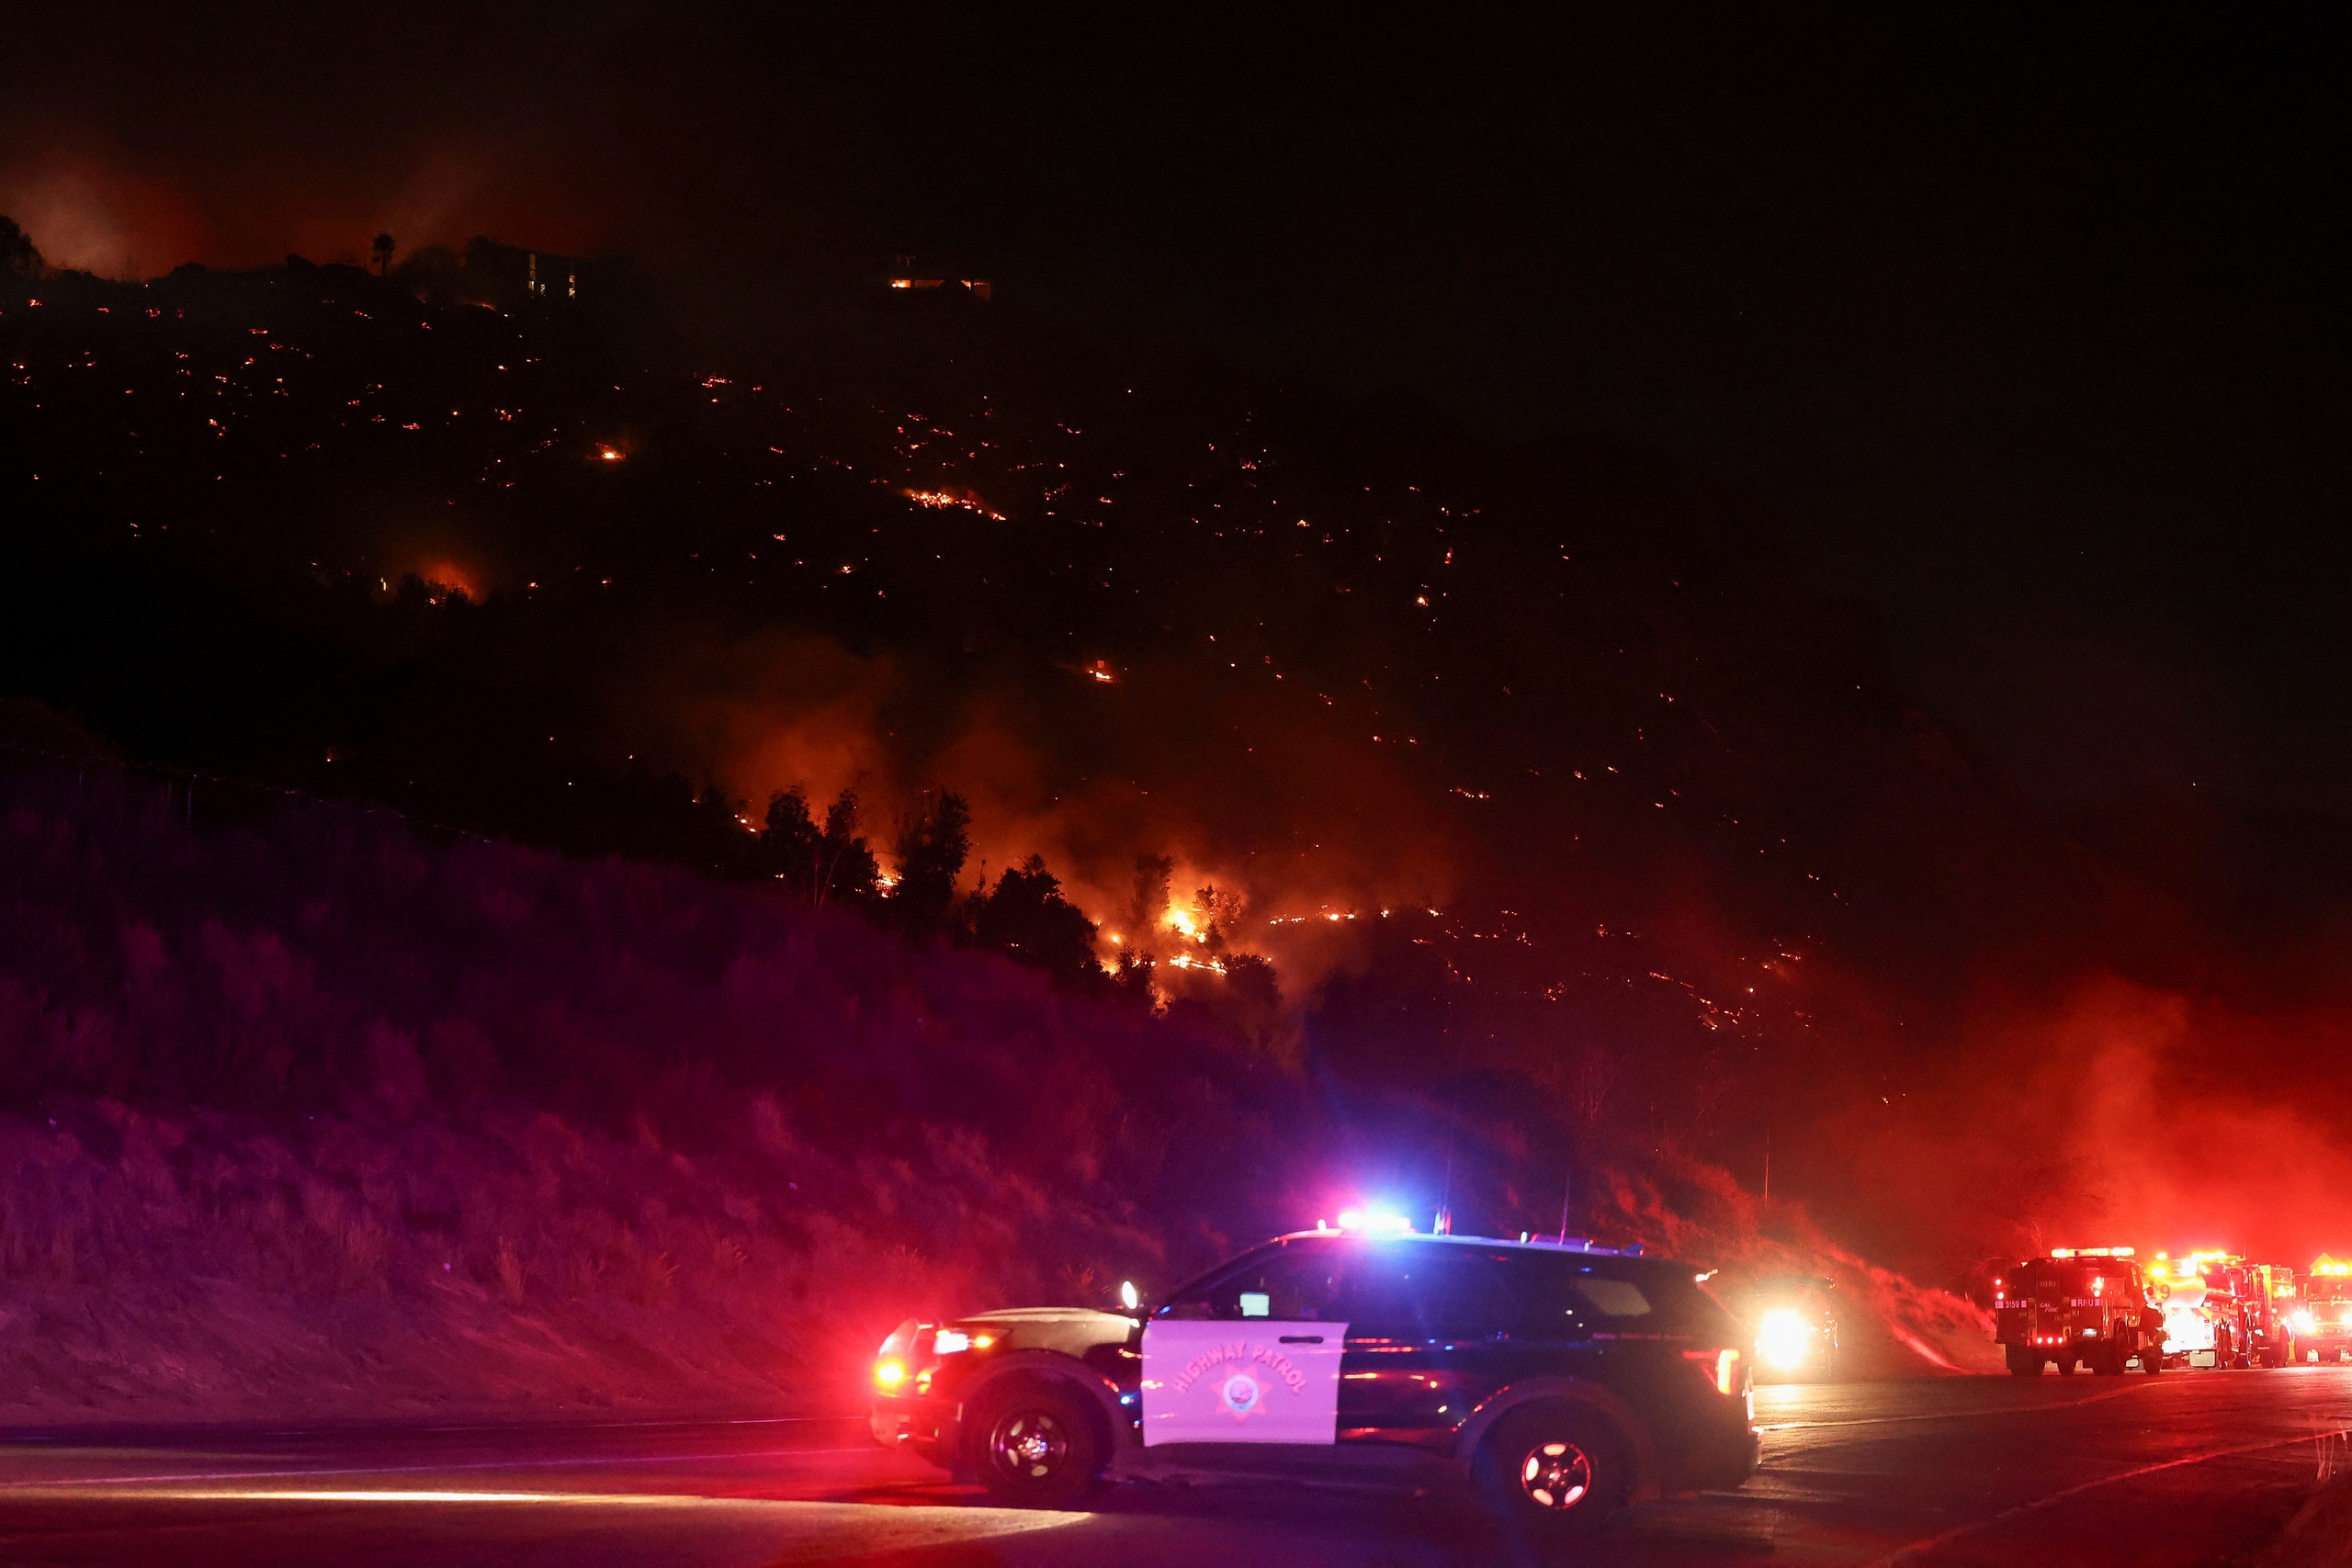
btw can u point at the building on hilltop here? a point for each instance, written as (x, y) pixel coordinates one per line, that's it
(509, 275)
(929, 277)
(504, 277)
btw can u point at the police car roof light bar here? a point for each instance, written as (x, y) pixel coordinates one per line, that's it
(1374, 1220)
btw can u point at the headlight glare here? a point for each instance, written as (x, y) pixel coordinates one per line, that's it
(1783, 1339)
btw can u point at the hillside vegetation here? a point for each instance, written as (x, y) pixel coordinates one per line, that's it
(311, 1112)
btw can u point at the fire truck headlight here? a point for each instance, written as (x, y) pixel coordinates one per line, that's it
(2301, 1320)
(1783, 1339)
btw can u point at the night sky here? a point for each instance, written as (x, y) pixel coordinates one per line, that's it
(2025, 325)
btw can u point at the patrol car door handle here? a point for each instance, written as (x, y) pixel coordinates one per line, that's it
(1302, 1340)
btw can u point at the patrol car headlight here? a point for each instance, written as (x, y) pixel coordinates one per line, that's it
(1783, 1339)
(889, 1374)
(2302, 1321)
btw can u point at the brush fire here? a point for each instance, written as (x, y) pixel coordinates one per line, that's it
(1173, 728)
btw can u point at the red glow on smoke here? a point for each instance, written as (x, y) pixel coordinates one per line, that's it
(91, 216)
(97, 210)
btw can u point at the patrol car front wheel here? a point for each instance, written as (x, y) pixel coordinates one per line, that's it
(1551, 1471)
(1036, 1445)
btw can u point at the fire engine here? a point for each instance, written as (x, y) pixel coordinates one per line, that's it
(2203, 1324)
(2322, 1318)
(2220, 1310)
(2269, 1290)
(2087, 1304)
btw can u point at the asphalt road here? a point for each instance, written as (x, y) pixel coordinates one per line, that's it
(2184, 1469)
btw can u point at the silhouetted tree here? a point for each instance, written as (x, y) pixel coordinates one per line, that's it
(931, 849)
(823, 865)
(1133, 978)
(1252, 979)
(1150, 906)
(383, 252)
(846, 868)
(1026, 915)
(787, 846)
(18, 257)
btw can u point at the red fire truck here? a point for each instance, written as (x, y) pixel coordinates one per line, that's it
(2204, 1322)
(2321, 1316)
(2086, 1304)
(2270, 1294)
(2222, 1311)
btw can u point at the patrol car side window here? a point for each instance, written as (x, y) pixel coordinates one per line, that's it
(1298, 1283)
(1426, 1289)
(1615, 1298)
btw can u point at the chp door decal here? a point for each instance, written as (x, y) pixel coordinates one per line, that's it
(1256, 1381)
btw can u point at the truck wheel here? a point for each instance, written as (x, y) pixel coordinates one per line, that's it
(2151, 1359)
(1551, 1471)
(1035, 1444)
(2066, 1362)
(2025, 1361)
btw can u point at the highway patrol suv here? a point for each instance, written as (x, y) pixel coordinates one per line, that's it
(1560, 1378)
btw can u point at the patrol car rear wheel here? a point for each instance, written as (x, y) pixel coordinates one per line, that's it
(1035, 1446)
(1551, 1471)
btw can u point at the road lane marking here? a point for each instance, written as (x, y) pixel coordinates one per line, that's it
(2133, 1387)
(584, 1499)
(2022, 1509)
(836, 1529)
(106, 1481)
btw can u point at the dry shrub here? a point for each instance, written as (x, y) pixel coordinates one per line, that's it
(360, 1257)
(512, 1270)
(656, 1278)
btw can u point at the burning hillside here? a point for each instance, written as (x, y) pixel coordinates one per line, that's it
(1451, 773)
